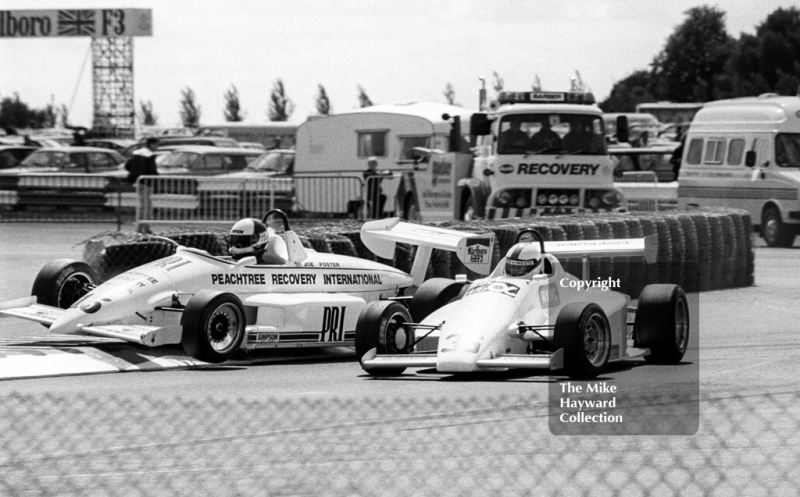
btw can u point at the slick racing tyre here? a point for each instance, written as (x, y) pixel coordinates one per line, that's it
(380, 327)
(432, 295)
(662, 323)
(62, 282)
(582, 330)
(213, 326)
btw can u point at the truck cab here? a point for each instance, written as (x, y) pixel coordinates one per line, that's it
(539, 153)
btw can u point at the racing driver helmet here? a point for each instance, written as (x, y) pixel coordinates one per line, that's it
(248, 237)
(524, 259)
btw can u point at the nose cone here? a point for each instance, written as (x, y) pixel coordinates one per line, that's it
(70, 323)
(456, 362)
(476, 328)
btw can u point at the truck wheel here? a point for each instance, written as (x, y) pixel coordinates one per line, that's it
(62, 282)
(213, 326)
(662, 323)
(380, 327)
(468, 208)
(582, 330)
(774, 231)
(433, 294)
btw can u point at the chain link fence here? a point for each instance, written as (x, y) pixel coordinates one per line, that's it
(126, 446)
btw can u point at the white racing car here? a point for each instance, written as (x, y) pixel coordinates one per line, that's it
(551, 320)
(214, 306)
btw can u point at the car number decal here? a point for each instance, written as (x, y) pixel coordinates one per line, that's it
(507, 289)
(333, 324)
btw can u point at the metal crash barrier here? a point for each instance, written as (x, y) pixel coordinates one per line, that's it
(57, 195)
(182, 200)
(644, 193)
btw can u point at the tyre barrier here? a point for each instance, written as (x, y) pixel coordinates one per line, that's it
(698, 249)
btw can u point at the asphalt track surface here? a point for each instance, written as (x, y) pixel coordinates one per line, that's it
(748, 341)
(748, 347)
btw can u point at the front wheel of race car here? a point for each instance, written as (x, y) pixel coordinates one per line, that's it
(381, 327)
(662, 323)
(62, 282)
(432, 295)
(213, 326)
(582, 330)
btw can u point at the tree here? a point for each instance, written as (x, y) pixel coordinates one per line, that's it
(190, 111)
(537, 84)
(779, 45)
(146, 115)
(15, 114)
(450, 94)
(363, 99)
(693, 56)
(323, 104)
(280, 107)
(629, 92)
(233, 109)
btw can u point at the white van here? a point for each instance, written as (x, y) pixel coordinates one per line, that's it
(745, 153)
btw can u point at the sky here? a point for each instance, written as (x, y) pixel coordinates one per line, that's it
(396, 50)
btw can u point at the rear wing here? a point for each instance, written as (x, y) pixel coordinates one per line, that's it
(646, 247)
(474, 250)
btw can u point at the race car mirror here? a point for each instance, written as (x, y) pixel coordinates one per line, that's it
(245, 261)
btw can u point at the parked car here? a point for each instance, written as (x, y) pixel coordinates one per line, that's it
(117, 144)
(12, 155)
(278, 162)
(169, 142)
(265, 183)
(199, 160)
(638, 124)
(73, 160)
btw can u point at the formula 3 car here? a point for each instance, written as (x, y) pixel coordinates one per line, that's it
(214, 306)
(551, 321)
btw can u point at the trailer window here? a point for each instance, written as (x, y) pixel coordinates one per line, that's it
(715, 150)
(695, 151)
(735, 152)
(371, 144)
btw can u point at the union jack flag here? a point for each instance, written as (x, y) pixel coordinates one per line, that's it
(75, 22)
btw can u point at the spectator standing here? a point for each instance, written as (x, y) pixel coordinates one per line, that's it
(143, 161)
(375, 197)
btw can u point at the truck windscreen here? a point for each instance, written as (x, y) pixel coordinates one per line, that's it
(544, 133)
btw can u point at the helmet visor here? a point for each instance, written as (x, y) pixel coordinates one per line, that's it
(242, 244)
(521, 268)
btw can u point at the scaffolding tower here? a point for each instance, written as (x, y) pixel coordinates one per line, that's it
(112, 86)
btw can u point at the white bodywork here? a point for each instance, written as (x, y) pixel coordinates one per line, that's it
(313, 300)
(498, 319)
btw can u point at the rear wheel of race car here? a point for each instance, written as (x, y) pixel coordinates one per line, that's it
(380, 327)
(432, 295)
(582, 330)
(213, 326)
(62, 282)
(662, 323)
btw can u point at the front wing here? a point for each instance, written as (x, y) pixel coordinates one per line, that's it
(551, 361)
